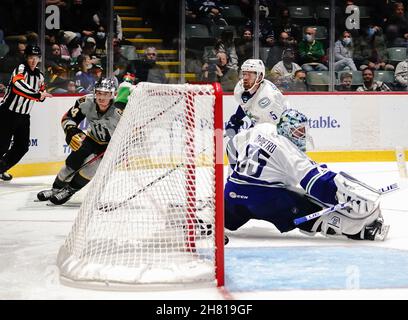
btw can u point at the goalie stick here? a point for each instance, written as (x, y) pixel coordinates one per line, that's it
(343, 205)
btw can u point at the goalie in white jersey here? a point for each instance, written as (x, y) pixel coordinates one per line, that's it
(259, 99)
(269, 168)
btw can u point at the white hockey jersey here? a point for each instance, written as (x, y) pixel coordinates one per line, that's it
(265, 105)
(259, 156)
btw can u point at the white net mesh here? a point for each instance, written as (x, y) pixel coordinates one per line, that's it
(148, 216)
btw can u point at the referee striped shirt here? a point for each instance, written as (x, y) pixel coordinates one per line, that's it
(23, 89)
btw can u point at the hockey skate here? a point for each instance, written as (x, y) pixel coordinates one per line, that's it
(46, 194)
(63, 195)
(377, 231)
(5, 176)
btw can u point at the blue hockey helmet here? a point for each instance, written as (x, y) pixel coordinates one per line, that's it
(293, 125)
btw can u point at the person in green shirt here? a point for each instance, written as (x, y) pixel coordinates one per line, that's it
(311, 52)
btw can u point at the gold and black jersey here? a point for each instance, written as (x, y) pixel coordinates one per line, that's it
(100, 126)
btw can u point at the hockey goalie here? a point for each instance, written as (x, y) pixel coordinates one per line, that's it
(268, 166)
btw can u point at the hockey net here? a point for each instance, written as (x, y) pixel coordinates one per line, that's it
(153, 212)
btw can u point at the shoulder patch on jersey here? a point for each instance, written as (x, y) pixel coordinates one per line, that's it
(21, 68)
(119, 111)
(264, 102)
(81, 100)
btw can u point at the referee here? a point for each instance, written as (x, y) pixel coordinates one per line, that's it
(26, 86)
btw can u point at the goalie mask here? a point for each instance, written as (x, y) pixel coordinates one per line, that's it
(293, 125)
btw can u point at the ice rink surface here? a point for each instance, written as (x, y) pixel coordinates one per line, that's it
(260, 262)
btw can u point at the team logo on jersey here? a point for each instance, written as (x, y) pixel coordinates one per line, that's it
(81, 100)
(233, 195)
(21, 68)
(335, 221)
(264, 102)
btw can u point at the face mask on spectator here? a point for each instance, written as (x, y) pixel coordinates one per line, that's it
(309, 37)
(347, 41)
(371, 32)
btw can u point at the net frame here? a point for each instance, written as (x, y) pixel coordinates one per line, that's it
(191, 189)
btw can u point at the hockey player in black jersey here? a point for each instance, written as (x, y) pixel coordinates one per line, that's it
(26, 86)
(102, 117)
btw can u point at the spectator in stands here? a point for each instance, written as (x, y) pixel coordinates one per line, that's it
(53, 57)
(343, 50)
(370, 50)
(84, 77)
(147, 69)
(97, 71)
(311, 52)
(370, 84)
(284, 23)
(79, 18)
(191, 11)
(401, 75)
(266, 33)
(13, 58)
(298, 83)
(89, 47)
(99, 18)
(244, 46)
(283, 72)
(275, 52)
(71, 47)
(71, 87)
(346, 80)
(224, 44)
(57, 79)
(209, 12)
(397, 26)
(120, 63)
(220, 71)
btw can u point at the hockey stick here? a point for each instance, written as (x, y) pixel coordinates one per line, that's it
(113, 206)
(84, 165)
(341, 206)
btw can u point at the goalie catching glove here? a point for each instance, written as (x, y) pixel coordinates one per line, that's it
(363, 200)
(362, 220)
(74, 137)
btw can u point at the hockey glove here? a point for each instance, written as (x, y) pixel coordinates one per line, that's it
(363, 201)
(235, 123)
(74, 137)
